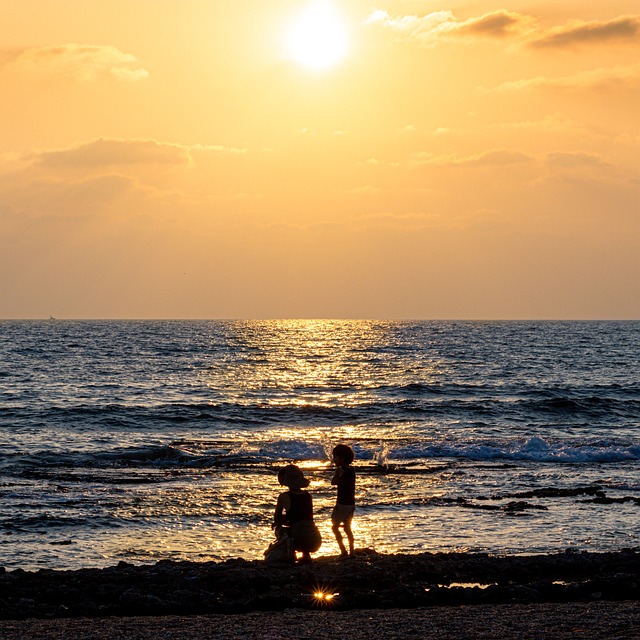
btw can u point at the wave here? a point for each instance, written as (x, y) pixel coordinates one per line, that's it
(534, 449)
(45, 521)
(588, 406)
(194, 454)
(406, 405)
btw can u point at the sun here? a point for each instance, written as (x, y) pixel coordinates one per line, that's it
(317, 38)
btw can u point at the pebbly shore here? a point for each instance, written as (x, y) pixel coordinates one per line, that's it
(369, 581)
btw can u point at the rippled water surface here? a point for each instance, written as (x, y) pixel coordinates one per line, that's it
(149, 440)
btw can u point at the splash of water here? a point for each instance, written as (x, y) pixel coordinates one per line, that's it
(381, 455)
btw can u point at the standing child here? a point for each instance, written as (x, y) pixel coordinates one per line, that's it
(345, 479)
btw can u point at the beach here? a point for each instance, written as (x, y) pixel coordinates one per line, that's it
(497, 494)
(592, 621)
(440, 595)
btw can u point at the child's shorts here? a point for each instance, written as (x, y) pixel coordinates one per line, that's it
(306, 536)
(342, 514)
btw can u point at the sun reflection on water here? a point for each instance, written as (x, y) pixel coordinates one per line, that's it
(322, 361)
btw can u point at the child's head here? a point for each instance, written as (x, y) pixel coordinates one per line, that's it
(344, 452)
(291, 476)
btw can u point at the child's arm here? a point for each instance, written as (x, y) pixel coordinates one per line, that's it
(337, 475)
(279, 518)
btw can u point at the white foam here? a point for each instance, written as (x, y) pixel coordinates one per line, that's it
(535, 449)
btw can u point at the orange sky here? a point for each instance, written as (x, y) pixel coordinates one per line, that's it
(169, 159)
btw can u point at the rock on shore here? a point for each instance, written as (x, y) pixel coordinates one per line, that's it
(370, 581)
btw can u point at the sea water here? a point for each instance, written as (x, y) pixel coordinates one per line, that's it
(141, 441)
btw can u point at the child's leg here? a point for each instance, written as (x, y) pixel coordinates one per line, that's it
(336, 533)
(349, 534)
(336, 521)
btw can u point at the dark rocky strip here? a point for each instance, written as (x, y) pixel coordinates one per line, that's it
(519, 505)
(370, 581)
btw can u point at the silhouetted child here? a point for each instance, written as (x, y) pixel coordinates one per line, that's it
(345, 479)
(295, 510)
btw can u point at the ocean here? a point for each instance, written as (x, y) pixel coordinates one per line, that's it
(138, 441)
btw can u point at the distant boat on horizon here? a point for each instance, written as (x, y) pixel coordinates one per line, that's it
(52, 318)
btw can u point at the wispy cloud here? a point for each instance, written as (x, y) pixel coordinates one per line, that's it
(498, 24)
(408, 220)
(82, 62)
(492, 158)
(552, 123)
(577, 160)
(582, 33)
(429, 29)
(621, 77)
(106, 152)
(219, 148)
(432, 28)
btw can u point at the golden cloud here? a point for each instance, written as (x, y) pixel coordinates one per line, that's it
(580, 33)
(115, 152)
(577, 160)
(492, 158)
(429, 29)
(81, 62)
(621, 77)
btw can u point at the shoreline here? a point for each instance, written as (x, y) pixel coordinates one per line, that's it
(371, 581)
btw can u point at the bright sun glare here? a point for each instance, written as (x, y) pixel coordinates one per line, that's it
(317, 38)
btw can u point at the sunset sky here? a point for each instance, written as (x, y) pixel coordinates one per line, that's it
(413, 159)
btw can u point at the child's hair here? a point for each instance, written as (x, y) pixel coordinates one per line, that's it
(345, 452)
